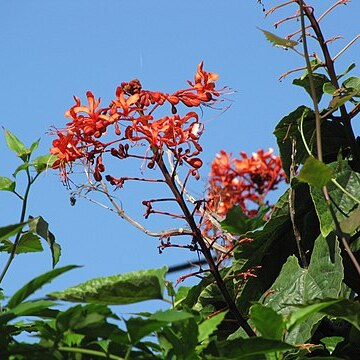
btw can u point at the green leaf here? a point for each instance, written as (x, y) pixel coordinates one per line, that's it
(22, 167)
(170, 315)
(10, 230)
(353, 83)
(315, 173)
(329, 88)
(16, 145)
(252, 347)
(350, 67)
(36, 284)
(337, 308)
(139, 328)
(237, 222)
(345, 206)
(207, 327)
(319, 81)
(34, 145)
(118, 289)
(269, 323)
(278, 41)
(287, 130)
(30, 308)
(7, 184)
(28, 242)
(341, 96)
(295, 285)
(44, 162)
(40, 227)
(331, 342)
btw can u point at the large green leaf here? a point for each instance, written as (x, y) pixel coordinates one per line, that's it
(332, 132)
(271, 246)
(337, 308)
(269, 323)
(36, 284)
(118, 289)
(344, 206)
(296, 286)
(315, 173)
(319, 81)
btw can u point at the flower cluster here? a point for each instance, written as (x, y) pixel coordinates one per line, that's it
(243, 181)
(133, 108)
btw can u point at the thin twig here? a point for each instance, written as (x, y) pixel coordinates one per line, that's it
(296, 231)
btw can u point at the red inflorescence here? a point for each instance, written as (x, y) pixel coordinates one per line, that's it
(243, 181)
(134, 108)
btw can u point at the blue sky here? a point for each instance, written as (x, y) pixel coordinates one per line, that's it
(54, 50)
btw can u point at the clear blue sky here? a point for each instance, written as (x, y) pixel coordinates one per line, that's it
(52, 50)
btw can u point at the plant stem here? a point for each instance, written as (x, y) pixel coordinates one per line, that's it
(30, 181)
(89, 352)
(344, 114)
(205, 250)
(329, 63)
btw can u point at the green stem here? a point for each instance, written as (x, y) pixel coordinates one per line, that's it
(22, 218)
(352, 197)
(89, 352)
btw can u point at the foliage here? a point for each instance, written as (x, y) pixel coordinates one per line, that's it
(281, 282)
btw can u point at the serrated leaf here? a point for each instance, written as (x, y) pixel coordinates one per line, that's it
(278, 41)
(36, 284)
(44, 162)
(269, 323)
(40, 227)
(29, 242)
(345, 206)
(315, 173)
(319, 81)
(295, 286)
(118, 289)
(16, 145)
(7, 184)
